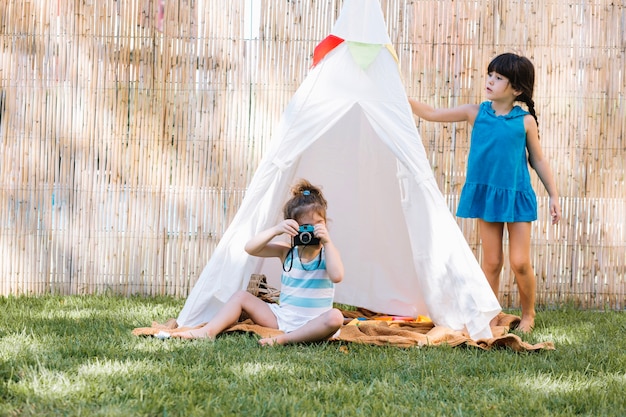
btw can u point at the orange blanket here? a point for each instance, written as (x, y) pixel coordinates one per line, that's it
(378, 332)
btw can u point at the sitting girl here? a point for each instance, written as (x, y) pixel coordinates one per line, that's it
(311, 269)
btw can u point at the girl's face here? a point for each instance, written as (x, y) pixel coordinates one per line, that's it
(311, 217)
(498, 87)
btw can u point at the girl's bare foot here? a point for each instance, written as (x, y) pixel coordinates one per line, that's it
(526, 325)
(192, 334)
(269, 341)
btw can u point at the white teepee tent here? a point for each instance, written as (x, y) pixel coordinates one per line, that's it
(349, 128)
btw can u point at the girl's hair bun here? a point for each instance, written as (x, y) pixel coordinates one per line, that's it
(304, 195)
(304, 187)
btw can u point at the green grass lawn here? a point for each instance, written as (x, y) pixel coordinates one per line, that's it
(77, 356)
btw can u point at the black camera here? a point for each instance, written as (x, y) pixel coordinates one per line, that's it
(305, 236)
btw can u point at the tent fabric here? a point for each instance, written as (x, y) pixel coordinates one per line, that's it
(351, 131)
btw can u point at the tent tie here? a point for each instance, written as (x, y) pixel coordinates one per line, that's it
(280, 164)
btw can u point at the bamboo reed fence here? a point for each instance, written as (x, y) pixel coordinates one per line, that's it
(129, 130)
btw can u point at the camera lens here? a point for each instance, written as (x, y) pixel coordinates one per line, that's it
(305, 237)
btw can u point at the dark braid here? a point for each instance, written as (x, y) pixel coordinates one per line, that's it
(521, 74)
(531, 106)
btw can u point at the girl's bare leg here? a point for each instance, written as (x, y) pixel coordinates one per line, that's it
(257, 309)
(493, 258)
(519, 255)
(317, 329)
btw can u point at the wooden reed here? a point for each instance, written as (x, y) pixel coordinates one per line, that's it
(129, 131)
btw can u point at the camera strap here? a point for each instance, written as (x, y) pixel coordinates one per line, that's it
(290, 257)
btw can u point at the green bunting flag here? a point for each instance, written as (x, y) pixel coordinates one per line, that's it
(364, 53)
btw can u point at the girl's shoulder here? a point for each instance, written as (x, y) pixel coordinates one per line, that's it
(516, 111)
(483, 109)
(472, 111)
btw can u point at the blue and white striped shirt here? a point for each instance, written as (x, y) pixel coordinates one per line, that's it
(306, 289)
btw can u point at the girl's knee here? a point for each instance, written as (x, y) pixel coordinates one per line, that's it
(334, 318)
(521, 268)
(520, 265)
(492, 265)
(240, 295)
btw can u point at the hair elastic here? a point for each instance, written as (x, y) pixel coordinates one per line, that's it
(306, 192)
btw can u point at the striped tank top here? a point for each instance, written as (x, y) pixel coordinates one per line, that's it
(306, 288)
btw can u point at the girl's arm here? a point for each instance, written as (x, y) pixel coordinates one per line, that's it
(541, 166)
(334, 264)
(260, 244)
(462, 113)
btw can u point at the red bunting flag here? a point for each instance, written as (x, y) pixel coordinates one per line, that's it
(324, 47)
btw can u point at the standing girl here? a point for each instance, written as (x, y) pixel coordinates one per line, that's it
(497, 189)
(305, 311)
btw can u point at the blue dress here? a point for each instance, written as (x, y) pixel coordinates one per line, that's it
(497, 187)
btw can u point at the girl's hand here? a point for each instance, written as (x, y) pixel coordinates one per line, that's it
(322, 233)
(555, 210)
(262, 245)
(288, 226)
